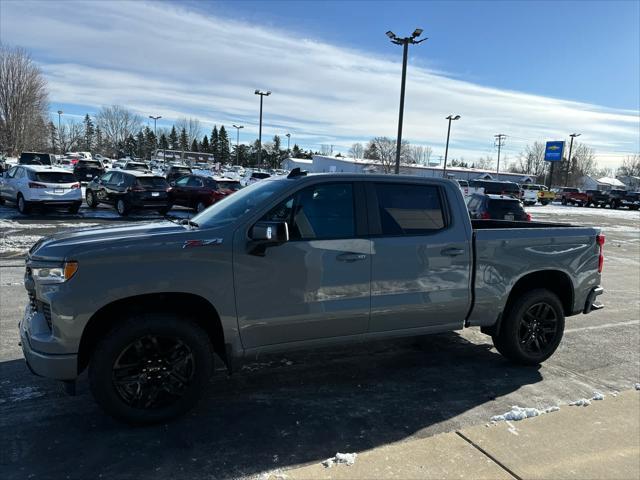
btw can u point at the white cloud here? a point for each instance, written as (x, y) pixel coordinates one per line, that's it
(162, 59)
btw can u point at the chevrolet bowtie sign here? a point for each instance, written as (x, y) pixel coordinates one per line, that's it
(553, 151)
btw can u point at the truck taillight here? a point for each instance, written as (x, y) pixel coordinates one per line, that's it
(36, 185)
(600, 242)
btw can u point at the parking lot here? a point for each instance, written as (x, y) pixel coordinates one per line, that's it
(304, 407)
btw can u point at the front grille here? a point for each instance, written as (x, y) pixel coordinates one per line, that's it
(33, 302)
(46, 311)
(41, 307)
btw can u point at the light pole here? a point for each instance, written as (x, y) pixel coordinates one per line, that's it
(405, 49)
(60, 112)
(446, 150)
(262, 95)
(573, 135)
(155, 133)
(238, 127)
(288, 135)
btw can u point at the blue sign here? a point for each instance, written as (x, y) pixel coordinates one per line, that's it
(553, 151)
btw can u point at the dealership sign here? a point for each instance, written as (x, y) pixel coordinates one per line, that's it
(553, 151)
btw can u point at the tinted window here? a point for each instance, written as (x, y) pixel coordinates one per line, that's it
(194, 182)
(500, 208)
(260, 175)
(89, 164)
(229, 185)
(182, 181)
(116, 179)
(54, 177)
(409, 209)
(152, 182)
(106, 177)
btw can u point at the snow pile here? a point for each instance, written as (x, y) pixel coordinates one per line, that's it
(347, 458)
(637, 386)
(597, 396)
(518, 413)
(583, 402)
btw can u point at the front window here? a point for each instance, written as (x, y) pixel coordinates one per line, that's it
(232, 207)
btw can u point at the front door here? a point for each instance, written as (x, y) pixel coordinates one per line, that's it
(315, 286)
(420, 272)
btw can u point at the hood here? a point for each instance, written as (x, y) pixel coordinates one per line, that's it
(60, 245)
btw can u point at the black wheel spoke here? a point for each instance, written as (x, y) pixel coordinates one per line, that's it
(538, 328)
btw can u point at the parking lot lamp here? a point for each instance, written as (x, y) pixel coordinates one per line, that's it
(60, 112)
(262, 95)
(155, 132)
(238, 127)
(573, 135)
(446, 149)
(405, 49)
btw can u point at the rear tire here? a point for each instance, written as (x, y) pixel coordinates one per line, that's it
(23, 206)
(122, 208)
(200, 207)
(532, 328)
(168, 359)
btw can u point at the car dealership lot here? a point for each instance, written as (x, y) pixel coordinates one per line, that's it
(303, 407)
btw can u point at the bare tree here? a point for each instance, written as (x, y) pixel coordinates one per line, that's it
(420, 155)
(356, 150)
(71, 136)
(384, 150)
(116, 124)
(192, 127)
(531, 160)
(484, 163)
(582, 162)
(630, 166)
(23, 102)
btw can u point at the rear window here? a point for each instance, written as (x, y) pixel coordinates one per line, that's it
(135, 166)
(53, 177)
(409, 209)
(496, 188)
(181, 169)
(152, 182)
(229, 185)
(89, 164)
(260, 175)
(498, 208)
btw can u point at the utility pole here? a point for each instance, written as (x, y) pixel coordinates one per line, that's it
(405, 50)
(499, 143)
(60, 112)
(238, 127)
(446, 150)
(573, 135)
(262, 95)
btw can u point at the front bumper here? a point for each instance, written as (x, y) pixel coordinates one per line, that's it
(59, 367)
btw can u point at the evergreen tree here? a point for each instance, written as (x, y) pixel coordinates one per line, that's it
(89, 132)
(163, 143)
(140, 150)
(53, 137)
(129, 145)
(204, 145)
(194, 145)
(183, 142)
(214, 143)
(295, 151)
(150, 142)
(173, 139)
(99, 143)
(223, 146)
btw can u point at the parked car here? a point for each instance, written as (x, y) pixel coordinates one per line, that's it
(200, 191)
(571, 195)
(616, 198)
(596, 198)
(494, 187)
(545, 196)
(252, 176)
(129, 190)
(174, 172)
(529, 193)
(631, 200)
(87, 170)
(496, 207)
(36, 158)
(30, 186)
(294, 262)
(138, 166)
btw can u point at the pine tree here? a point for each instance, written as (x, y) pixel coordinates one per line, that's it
(173, 139)
(140, 150)
(130, 145)
(295, 151)
(184, 140)
(194, 145)
(89, 131)
(214, 143)
(150, 142)
(163, 143)
(204, 145)
(99, 144)
(223, 146)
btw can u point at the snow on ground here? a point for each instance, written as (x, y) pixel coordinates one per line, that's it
(17, 243)
(518, 413)
(24, 393)
(584, 402)
(637, 386)
(561, 210)
(346, 458)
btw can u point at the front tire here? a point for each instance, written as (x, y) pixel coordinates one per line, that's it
(91, 199)
(532, 328)
(151, 368)
(122, 207)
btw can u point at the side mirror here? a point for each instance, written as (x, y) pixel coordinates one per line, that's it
(267, 234)
(173, 184)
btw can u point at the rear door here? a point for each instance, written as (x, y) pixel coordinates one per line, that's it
(316, 285)
(179, 191)
(421, 257)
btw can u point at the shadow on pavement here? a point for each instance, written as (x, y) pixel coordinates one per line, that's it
(277, 412)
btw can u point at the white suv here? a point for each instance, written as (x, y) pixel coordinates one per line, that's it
(31, 185)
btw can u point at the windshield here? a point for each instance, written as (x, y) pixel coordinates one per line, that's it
(232, 207)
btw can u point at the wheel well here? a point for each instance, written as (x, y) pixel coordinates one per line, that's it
(189, 305)
(553, 280)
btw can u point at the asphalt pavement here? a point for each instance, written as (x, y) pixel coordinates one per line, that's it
(303, 407)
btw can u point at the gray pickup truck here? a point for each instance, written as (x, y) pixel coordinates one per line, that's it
(293, 262)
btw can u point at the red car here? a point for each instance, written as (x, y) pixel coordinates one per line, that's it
(573, 196)
(199, 191)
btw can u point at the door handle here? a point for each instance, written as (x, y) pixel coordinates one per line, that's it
(452, 252)
(350, 257)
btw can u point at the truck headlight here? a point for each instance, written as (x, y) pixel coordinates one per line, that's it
(56, 274)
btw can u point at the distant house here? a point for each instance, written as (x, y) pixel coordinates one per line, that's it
(630, 181)
(602, 184)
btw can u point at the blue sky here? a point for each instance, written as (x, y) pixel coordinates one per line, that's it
(532, 70)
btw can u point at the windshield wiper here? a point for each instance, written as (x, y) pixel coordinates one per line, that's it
(173, 219)
(189, 222)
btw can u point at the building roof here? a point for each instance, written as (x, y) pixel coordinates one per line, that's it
(610, 181)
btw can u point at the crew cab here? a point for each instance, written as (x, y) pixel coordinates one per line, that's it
(573, 196)
(596, 198)
(294, 262)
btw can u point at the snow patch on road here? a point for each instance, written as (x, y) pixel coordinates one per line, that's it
(24, 393)
(17, 243)
(585, 402)
(345, 458)
(637, 386)
(518, 413)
